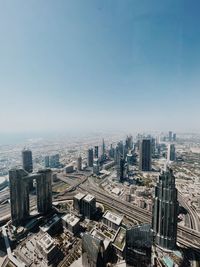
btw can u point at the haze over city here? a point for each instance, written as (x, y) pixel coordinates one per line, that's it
(91, 65)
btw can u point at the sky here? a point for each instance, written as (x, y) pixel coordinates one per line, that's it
(77, 65)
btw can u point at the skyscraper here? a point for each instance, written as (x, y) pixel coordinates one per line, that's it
(96, 166)
(145, 155)
(79, 163)
(165, 211)
(19, 195)
(170, 136)
(27, 160)
(96, 152)
(103, 148)
(90, 157)
(171, 153)
(44, 191)
(121, 170)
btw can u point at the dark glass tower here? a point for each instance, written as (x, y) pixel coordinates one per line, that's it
(90, 157)
(165, 211)
(145, 155)
(96, 152)
(27, 160)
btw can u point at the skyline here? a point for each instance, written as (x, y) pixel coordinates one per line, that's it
(109, 65)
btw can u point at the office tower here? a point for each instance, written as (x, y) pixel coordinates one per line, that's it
(165, 211)
(111, 152)
(90, 157)
(129, 142)
(19, 195)
(92, 251)
(79, 163)
(145, 155)
(96, 152)
(171, 153)
(103, 149)
(153, 146)
(121, 170)
(96, 166)
(27, 160)
(89, 206)
(78, 202)
(138, 246)
(28, 164)
(174, 137)
(44, 191)
(54, 161)
(170, 136)
(46, 162)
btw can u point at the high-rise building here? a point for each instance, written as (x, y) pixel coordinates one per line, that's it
(96, 152)
(174, 137)
(90, 157)
(79, 163)
(44, 191)
(96, 166)
(54, 161)
(92, 251)
(121, 170)
(46, 162)
(103, 149)
(171, 153)
(145, 155)
(28, 164)
(78, 202)
(89, 206)
(165, 211)
(19, 195)
(138, 246)
(170, 136)
(27, 160)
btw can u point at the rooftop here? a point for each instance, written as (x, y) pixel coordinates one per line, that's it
(116, 219)
(79, 196)
(46, 242)
(89, 198)
(45, 227)
(71, 219)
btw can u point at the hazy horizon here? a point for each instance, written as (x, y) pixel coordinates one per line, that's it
(83, 66)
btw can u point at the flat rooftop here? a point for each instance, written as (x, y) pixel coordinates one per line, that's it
(89, 198)
(79, 196)
(46, 242)
(114, 218)
(45, 227)
(71, 219)
(120, 239)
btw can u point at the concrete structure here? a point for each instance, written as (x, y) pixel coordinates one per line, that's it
(48, 249)
(112, 220)
(79, 163)
(71, 222)
(78, 202)
(19, 193)
(89, 206)
(52, 225)
(165, 211)
(90, 157)
(145, 155)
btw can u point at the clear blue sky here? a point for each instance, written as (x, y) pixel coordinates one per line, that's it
(106, 64)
